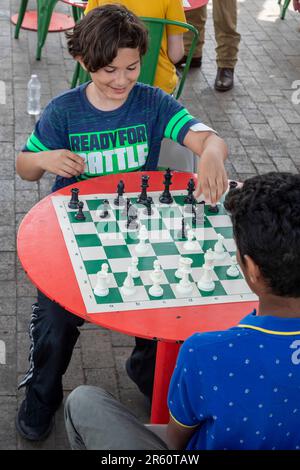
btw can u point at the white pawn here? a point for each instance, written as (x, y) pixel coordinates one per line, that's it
(156, 290)
(142, 248)
(101, 289)
(209, 257)
(128, 287)
(233, 270)
(179, 271)
(190, 244)
(219, 251)
(157, 271)
(185, 286)
(134, 267)
(206, 282)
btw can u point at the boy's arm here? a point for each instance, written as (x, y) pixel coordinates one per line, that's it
(212, 178)
(177, 435)
(32, 165)
(175, 47)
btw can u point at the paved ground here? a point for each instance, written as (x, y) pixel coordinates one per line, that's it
(258, 119)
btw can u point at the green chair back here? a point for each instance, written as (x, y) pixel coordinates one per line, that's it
(156, 27)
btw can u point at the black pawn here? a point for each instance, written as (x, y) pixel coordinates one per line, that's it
(119, 201)
(189, 198)
(105, 214)
(166, 197)
(213, 208)
(80, 215)
(73, 204)
(143, 198)
(182, 231)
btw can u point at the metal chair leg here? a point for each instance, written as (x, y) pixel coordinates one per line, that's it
(45, 9)
(284, 8)
(21, 14)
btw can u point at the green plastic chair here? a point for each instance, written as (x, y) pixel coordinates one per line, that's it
(155, 27)
(283, 8)
(44, 13)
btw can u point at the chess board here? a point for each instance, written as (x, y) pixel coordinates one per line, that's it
(94, 241)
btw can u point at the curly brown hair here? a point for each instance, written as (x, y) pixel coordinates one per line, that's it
(98, 36)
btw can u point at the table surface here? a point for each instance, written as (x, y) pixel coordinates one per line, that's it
(45, 259)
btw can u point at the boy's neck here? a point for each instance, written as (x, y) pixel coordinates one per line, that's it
(285, 307)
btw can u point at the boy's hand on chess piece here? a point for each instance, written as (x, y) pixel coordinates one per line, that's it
(61, 162)
(212, 151)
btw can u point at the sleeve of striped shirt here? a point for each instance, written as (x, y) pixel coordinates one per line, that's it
(178, 121)
(181, 399)
(48, 134)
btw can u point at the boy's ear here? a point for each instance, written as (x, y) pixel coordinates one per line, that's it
(253, 271)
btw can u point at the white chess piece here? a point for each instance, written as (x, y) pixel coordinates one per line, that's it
(101, 289)
(190, 244)
(209, 257)
(156, 290)
(128, 287)
(134, 267)
(182, 262)
(206, 282)
(233, 270)
(157, 271)
(185, 286)
(219, 251)
(141, 248)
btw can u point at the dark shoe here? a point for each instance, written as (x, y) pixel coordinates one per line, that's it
(196, 62)
(224, 79)
(34, 430)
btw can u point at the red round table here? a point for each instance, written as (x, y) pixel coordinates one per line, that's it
(44, 257)
(193, 4)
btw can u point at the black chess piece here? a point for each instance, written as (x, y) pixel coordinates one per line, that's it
(182, 231)
(132, 224)
(119, 200)
(143, 198)
(148, 211)
(189, 198)
(213, 208)
(166, 197)
(73, 204)
(198, 213)
(126, 208)
(105, 205)
(80, 215)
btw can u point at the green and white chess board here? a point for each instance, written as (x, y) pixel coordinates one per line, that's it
(95, 241)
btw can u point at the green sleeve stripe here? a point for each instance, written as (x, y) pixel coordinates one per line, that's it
(31, 147)
(174, 121)
(37, 143)
(179, 126)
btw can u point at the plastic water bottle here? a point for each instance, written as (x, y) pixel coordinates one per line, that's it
(34, 96)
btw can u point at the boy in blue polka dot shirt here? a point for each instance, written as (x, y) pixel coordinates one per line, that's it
(237, 389)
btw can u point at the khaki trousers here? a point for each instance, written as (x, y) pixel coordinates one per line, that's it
(225, 23)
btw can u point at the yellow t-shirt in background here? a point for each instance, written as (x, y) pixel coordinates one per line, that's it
(165, 77)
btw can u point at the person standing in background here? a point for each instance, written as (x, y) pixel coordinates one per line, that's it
(226, 35)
